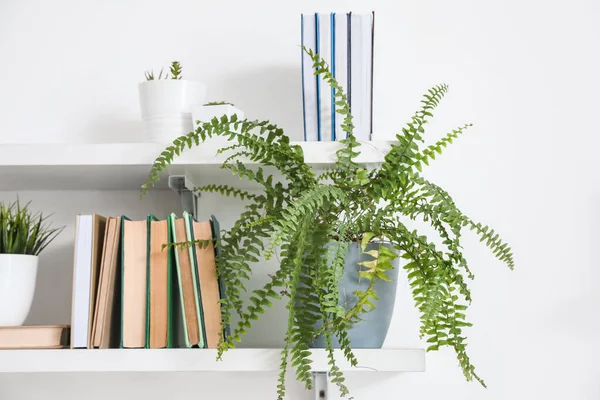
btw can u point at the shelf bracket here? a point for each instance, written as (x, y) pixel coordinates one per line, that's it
(184, 187)
(321, 385)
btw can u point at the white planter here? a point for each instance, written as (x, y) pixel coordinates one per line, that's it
(166, 107)
(18, 273)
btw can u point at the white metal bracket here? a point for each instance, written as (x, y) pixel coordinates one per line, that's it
(321, 385)
(185, 188)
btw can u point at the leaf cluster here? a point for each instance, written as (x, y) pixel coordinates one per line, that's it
(308, 219)
(24, 232)
(218, 103)
(175, 71)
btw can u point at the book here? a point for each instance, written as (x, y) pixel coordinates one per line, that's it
(159, 329)
(209, 285)
(340, 67)
(361, 72)
(104, 331)
(310, 106)
(89, 237)
(34, 337)
(134, 287)
(189, 227)
(324, 91)
(216, 233)
(186, 279)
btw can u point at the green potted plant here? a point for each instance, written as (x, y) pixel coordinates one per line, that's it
(23, 236)
(348, 222)
(166, 103)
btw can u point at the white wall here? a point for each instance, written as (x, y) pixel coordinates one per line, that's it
(523, 71)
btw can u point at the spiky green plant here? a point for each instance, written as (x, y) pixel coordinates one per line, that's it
(175, 70)
(24, 232)
(301, 215)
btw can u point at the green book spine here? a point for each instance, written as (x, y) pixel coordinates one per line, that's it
(148, 221)
(170, 288)
(197, 292)
(180, 318)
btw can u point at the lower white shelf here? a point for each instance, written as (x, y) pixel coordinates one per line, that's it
(199, 360)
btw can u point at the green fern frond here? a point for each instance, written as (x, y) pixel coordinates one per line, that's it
(430, 152)
(310, 201)
(226, 190)
(492, 240)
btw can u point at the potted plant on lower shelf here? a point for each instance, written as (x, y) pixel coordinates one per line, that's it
(23, 236)
(340, 236)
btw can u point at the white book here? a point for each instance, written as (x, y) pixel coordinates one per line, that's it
(361, 45)
(309, 80)
(368, 34)
(325, 49)
(340, 70)
(82, 277)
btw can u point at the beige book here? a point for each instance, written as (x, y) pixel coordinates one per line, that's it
(159, 289)
(34, 337)
(134, 296)
(209, 285)
(187, 284)
(105, 317)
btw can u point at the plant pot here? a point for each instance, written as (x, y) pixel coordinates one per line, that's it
(18, 274)
(371, 331)
(166, 107)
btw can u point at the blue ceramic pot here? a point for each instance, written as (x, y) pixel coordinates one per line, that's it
(371, 331)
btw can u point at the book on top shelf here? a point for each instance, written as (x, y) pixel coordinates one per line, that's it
(345, 41)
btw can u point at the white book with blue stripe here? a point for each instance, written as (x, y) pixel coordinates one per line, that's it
(325, 92)
(310, 106)
(340, 68)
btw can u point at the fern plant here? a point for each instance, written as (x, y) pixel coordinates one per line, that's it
(309, 218)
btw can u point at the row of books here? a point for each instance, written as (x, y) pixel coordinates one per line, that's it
(130, 290)
(346, 42)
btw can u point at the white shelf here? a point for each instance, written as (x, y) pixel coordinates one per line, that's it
(197, 360)
(123, 166)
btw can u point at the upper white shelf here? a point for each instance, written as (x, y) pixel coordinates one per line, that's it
(198, 360)
(125, 166)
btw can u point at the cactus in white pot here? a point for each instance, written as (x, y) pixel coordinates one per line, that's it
(23, 236)
(166, 102)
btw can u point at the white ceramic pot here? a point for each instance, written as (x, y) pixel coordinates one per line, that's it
(18, 273)
(166, 107)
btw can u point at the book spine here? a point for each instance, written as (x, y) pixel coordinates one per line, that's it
(309, 79)
(302, 55)
(372, 69)
(333, 68)
(349, 58)
(318, 49)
